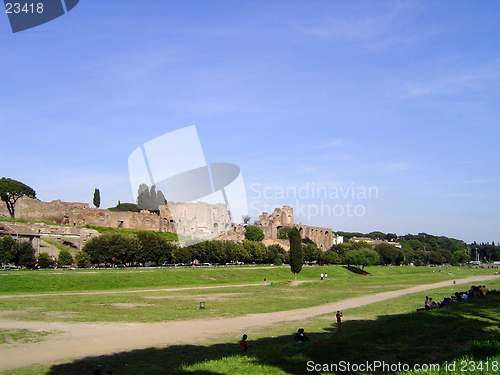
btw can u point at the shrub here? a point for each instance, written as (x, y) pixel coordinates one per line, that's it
(64, 258)
(254, 233)
(44, 260)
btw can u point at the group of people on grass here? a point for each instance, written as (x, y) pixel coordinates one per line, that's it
(474, 291)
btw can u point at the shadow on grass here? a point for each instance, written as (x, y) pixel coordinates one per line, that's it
(424, 337)
(357, 270)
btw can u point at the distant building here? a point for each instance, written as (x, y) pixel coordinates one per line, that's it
(373, 242)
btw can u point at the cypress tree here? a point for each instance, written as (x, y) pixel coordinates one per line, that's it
(296, 252)
(97, 198)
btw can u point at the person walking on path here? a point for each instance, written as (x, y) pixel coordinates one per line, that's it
(338, 315)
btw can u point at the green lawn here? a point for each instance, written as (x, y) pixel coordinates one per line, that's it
(64, 280)
(466, 331)
(390, 331)
(148, 304)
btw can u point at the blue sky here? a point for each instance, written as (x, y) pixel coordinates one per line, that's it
(398, 96)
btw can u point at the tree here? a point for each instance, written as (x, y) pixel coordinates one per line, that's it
(150, 199)
(362, 257)
(245, 218)
(82, 259)
(122, 207)
(143, 196)
(284, 232)
(257, 250)
(435, 257)
(296, 252)
(331, 257)
(276, 254)
(389, 254)
(8, 249)
(26, 255)
(97, 198)
(160, 199)
(254, 233)
(64, 258)
(153, 247)
(11, 191)
(311, 252)
(44, 260)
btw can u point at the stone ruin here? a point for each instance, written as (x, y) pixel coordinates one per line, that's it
(283, 217)
(203, 220)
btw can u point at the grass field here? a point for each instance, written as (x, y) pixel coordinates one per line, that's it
(390, 331)
(140, 300)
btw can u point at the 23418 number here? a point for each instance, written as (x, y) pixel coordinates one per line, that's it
(27, 8)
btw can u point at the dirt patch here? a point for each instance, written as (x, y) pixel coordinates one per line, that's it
(61, 314)
(202, 297)
(298, 282)
(131, 305)
(8, 312)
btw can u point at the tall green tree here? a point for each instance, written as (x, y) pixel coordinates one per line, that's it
(150, 199)
(8, 250)
(160, 199)
(26, 255)
(296, 252)
(143, 196)
(97, 198)
(11, 191)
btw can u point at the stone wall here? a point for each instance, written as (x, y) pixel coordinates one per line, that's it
(197, 219)
(78, 214)
(200, 219)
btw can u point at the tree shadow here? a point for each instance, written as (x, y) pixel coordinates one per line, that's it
(421, 337)
(357, 270)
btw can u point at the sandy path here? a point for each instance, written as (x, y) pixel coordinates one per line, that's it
(77, 340)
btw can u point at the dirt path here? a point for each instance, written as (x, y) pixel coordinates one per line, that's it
(77, 340)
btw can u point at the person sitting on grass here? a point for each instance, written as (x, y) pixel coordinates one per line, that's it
(444, 302)
(300, 337)
(432, 304)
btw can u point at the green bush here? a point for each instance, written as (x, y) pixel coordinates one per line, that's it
(82, 259)
(121, 207)
(254, 233)
(44, 260)
(64, 258)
